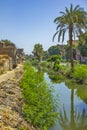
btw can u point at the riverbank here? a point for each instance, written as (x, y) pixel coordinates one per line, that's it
(11, 101)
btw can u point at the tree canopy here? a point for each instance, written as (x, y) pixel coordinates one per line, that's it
(54, 50)
(38, 51)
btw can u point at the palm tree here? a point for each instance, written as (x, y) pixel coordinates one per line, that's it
(73, 21)
(38, 51)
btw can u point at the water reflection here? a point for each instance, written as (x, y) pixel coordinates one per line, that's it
(78, 121)
(73, 116)
(82, 93)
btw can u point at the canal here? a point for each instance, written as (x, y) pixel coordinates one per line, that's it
(72, 108)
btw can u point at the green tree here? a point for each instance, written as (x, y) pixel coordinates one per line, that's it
(55, 61)
(54, 50)
(38, 51)
(54, 58)
(73, 21)
(45, 55)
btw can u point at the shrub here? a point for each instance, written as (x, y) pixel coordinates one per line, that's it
(56, 65)
(65, 70)
(34, 61)
(80, 73)
(44, 64)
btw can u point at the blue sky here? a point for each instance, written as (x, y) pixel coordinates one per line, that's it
(27, 22)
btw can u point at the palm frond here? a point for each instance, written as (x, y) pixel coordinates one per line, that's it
(76, 7)
(63, 13)
(63, 35)
(54, 35)
(71, 8)
(67, 11)
(59, 35)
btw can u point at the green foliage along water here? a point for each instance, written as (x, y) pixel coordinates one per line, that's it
(39, 106)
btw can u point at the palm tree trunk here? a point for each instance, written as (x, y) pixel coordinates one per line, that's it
(71, 49)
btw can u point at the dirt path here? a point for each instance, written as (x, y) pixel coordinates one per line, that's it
(7, 75)
(10, 74)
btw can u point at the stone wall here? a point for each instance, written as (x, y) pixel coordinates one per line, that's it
(8, 51)
(11, 52)
(4, 63)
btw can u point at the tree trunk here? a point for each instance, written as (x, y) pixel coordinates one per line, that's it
(71, 49)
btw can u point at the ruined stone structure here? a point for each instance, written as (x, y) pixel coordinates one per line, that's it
(10, 50)
(7, 56)
(20, 55)
(5, 64)
(10, 55)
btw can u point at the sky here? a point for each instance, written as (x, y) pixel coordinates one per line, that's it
(28, 22)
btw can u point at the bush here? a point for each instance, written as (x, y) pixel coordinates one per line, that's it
(56, 65)
(44, 64)
(80, 73)
(39, 103)
(34, 61)
(65, 70)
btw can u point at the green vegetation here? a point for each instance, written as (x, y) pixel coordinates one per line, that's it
(55, 77)
(39, 106)
(82, 93)
(54, 50)
(65, 70)
(83, 44)
(80, 73)
(55, 61)
(38, 51)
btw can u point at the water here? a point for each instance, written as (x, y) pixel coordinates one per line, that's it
(73, 106)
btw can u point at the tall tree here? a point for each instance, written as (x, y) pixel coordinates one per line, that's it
(38, 51)
(73, 21)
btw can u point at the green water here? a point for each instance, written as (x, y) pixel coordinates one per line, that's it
(72, 105)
